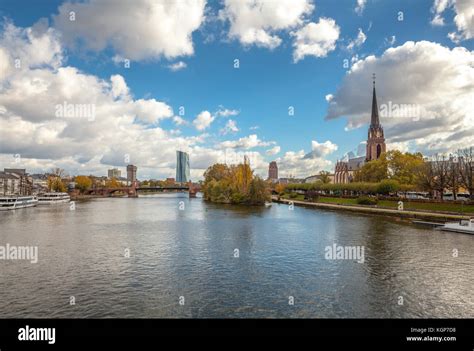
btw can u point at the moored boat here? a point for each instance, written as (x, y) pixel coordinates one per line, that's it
(15, 202)
(53, 198)
(465, 226)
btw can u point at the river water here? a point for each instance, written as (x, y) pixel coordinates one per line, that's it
(170, 256)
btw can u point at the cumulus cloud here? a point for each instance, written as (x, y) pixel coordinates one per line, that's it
(122, 130)
(203, 120)
(315, 39)
(273, 151)
(437, 82)
(295, 164)
(136, 30)
(320, 150)
(248, 142)
(230, 127)
(256, 22)
(464, 18)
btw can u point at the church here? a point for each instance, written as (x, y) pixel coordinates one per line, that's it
(344, 171)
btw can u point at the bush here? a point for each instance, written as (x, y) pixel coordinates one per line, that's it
(365, 200)
(311, 195)
(388, 186)
(293, 195)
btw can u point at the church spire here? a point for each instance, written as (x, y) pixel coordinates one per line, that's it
(374, 119)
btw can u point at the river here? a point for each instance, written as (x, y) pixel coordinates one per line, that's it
(170, 256)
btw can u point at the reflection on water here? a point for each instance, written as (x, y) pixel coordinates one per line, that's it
(190, 253)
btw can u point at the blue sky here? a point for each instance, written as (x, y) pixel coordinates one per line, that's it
(268, 81)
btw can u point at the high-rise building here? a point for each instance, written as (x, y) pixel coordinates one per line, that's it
(114, 173)
(273, 171)
(131, 174)
(183, 171)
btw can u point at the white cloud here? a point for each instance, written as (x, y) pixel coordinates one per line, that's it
(136, 30)
(320, 150)
(464, 18)
(179, 121)
(203, 120)
(256, 22)
(230, 127)
(438, 80)
(315, 39)
(360, 6)
(273, 151)
(177, 66)
(361, 38)
(295, 164)
(225, 112)
(248, 142)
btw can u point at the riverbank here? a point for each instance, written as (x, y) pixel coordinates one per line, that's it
(412, 214)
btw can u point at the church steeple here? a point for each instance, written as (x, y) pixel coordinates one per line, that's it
(374, 119)
(375, 141)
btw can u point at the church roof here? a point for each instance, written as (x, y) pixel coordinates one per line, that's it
(374, 119)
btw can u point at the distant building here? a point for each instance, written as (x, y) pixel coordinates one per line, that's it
(131, 174)
(114, 173)
(15, 182)
(316, 177)
(273, 171)
(344, 171)
(290, 180)
(170, 180)
(183, 171)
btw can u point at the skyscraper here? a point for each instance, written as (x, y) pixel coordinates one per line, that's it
(131, 174)
(273, 171)
(183, 171)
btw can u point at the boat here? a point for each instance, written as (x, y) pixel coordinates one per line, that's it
(14, 202)
(53, 198)
(465, 226)
(268, 203)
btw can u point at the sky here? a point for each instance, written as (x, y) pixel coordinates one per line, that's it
(91, 85)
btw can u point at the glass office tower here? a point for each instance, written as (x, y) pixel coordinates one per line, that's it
(182, 167)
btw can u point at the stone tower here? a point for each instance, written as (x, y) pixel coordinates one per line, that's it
(375, 141)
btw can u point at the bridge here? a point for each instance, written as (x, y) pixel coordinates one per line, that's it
(132, 191)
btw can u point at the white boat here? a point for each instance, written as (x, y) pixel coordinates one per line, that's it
(465, 226)
(14, 202)
(53, 198)
(268, 204)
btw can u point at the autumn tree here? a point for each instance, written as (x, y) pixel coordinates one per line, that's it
(466, 169)
(83, 183)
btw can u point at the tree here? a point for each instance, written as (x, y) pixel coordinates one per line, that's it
(402, 166)
(112, 183)
(373, 171)
(440, 166)
(425, 177)
(466, 170)
(324, 177)
(388, 186)
(235, 184)
(83, 183)
(55, 184)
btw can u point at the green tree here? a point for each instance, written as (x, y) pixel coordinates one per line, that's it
(324, 177)
(373, 171)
